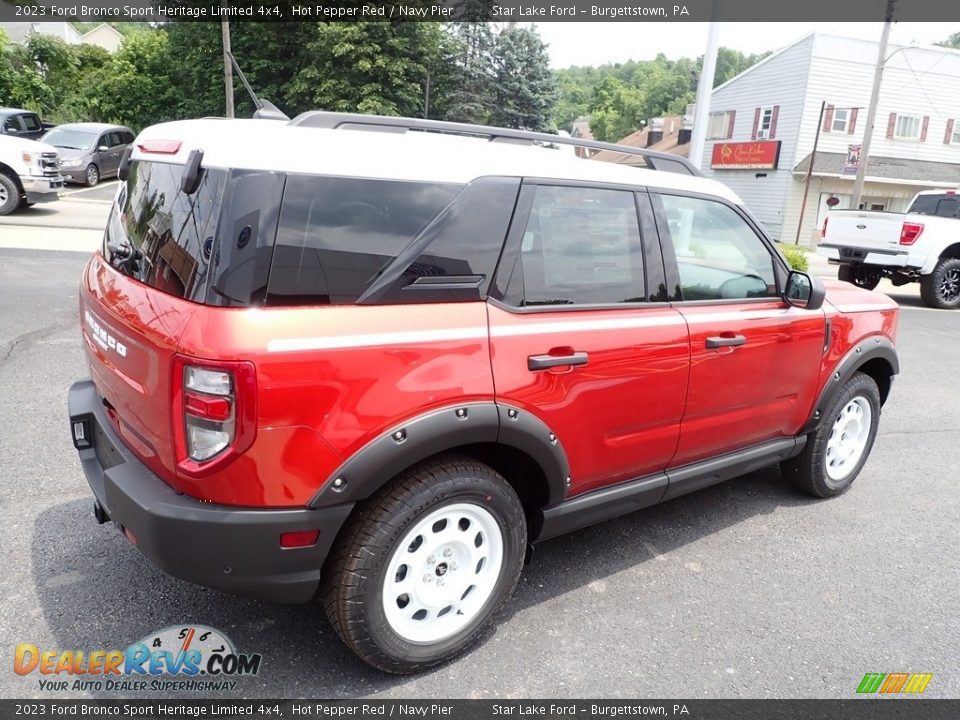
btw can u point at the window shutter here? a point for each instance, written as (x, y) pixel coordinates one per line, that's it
(891, 125)
(948, 136)
(852, 125)
(773, 122)
(923, 128)
(731, 118)
(828, 118)
(756, 123)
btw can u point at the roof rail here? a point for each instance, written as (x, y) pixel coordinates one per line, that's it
(353, 121)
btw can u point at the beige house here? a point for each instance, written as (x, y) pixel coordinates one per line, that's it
(103, 36)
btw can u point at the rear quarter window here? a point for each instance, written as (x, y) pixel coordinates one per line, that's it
(336, 234)
(938, 205)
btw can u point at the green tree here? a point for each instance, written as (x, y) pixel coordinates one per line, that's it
(135, 87)
(524, 86)
(951, 42)
(472, 100)
(616, 110)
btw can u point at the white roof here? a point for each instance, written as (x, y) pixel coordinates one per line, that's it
(276, 146)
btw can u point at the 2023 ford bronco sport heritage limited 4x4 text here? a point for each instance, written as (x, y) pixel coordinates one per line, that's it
(328, 359)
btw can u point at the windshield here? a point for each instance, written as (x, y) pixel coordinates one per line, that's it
(71, 139)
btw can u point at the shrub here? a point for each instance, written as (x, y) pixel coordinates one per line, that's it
(796, 257)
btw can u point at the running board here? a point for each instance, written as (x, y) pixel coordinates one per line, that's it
(624, 498)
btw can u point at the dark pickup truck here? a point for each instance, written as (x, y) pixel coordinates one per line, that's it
(22, 123)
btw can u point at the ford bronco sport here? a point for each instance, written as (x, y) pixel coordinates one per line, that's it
(375, 359)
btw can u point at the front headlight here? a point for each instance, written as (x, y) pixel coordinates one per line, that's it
(69, 163)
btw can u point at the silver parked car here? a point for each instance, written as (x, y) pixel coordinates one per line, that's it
(89, 151)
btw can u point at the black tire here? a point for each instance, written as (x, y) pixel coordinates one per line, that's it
(9, 195)
(91, 175)
(862, 277)
(808, 471)
(941, 288)
(352, 587)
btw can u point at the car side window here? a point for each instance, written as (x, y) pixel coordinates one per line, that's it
(30, 122)
(115, 139)
(581, 246)
(104, 140)
(719, 256)
(11, 123)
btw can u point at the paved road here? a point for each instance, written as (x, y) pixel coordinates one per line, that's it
(742, 590)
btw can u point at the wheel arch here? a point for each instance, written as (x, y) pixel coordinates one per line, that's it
(10, 173)
(513, 441)
(951, 251)
(874, 356)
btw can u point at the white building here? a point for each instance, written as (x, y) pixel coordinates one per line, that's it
(764, 121)
(18, 32)
(104, 36)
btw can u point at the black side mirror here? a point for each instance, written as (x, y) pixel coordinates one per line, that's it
(804, 291)
(124, 168)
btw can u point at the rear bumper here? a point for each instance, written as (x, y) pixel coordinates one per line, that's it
(864, 256)
(232, 549)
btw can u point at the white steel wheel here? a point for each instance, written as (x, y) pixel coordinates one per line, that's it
(442, 573)
(848, 438)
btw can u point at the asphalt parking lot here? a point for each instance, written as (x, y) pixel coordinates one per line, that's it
(746, 589)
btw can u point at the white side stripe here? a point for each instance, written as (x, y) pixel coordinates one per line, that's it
(338, 342)
(412, 337)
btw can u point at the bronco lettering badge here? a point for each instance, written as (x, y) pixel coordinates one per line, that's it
(102, 337)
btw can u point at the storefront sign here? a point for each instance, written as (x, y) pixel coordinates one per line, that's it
(762, 155)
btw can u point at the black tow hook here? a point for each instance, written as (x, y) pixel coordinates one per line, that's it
(99, 514)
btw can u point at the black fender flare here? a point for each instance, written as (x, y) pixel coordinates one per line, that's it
(447, 428)
(868, 349)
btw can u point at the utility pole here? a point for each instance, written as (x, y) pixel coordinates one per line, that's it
(806, 184)
(701, 113)
(872, 109)
(227, 65)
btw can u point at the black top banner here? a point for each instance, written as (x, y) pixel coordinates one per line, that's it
(539, 11)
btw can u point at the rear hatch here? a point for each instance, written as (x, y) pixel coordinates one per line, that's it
(158, 238)
(855, 231)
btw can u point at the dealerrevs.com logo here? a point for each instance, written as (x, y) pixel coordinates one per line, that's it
(177, 658)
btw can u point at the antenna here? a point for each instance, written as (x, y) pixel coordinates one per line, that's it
(265, 109)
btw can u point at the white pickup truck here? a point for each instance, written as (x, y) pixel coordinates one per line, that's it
(29, 173)
(921, 245)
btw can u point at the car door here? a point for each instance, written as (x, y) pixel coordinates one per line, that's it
(581, 335)
(755, 360)
(12, 125)
(111, 156)
(32, 127)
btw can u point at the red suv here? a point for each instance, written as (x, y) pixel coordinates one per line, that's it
(341, 357)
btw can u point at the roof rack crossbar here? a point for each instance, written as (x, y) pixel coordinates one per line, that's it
(335, 120)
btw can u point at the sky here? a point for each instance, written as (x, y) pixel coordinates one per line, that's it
(596, 43)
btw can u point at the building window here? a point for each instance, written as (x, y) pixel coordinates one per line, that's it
(721, 125)
(841, 117)
(953, 132)
(907, 127)
(766, 121)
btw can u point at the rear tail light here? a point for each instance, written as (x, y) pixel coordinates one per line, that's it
(299, 538)
(910, 233)
(823, 230)
(214, 413)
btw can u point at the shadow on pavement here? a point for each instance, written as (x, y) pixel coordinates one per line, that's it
(97, 592)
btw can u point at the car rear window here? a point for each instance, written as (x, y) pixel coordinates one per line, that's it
(336, 234)
(161, 236)
(940, 205)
